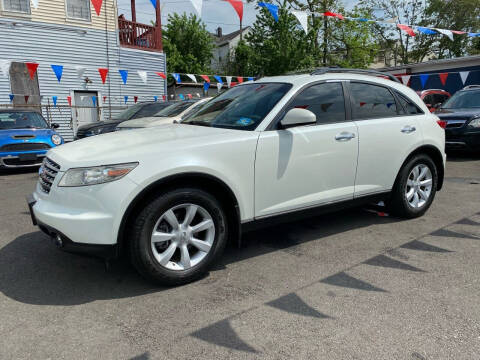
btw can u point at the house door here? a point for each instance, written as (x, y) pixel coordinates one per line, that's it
(84, 111)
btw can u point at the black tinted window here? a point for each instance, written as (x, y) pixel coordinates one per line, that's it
(149, 110)
(372, 101)
(439, 99)
(408, 105)
(324, 100)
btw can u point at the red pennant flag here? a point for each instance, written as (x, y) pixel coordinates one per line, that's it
(103, 73)
(189, 96)
(407, 29)
(104, 99)
(97, 4)
(458, 32)
(329, 13)
(135, 99)
(238, 6)
(69, 99)
(162, 75)
(164, 97)
(32, 69)
(362, 103)
(240, 79)
(205, 77)
(443, 78)
(26, 98)
(233, 83)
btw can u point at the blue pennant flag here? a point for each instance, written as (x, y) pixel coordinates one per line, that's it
(94, 100)
(154, 3)
(11, 97)
(389, 104)
(181, 97)
(423, 79)
(177, 78)
(206, 85)
(473, 34)
(270, 7)
(362, 19)
(54, 98)
(218, 78)
(251, 78)
(124, 75)
(426, 30)
(58, 70)
(125, 98)
(155, 98)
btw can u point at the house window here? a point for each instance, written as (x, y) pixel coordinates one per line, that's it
(22, 6)
(78, 9)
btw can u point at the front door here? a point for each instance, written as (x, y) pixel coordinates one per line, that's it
(310, 165)
(84, 111)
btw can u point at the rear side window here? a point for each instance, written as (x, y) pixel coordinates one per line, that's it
(408, 105)
(371, 101)
(325, 100)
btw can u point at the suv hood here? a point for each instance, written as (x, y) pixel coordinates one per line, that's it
(6, 134)
(466, 114)
(136, 145)
(148, 122)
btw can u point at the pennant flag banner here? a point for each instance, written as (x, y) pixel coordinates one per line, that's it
(458, 32)
(162, 75)
(142, 75)
(240, 79)
(191, 76)
(407, 29)
(205, 77)
(125, 98)
(197, 4)
(35, 4)
(69, 99)
(391, 21)
(423, 79)
(189, 96)
(463, 76)
(206, 85)
(26, 98)
(103, 74)
(251, 78)
(164, 97)
(94, 100)
(32, 69)
(123, 74)
(405, 79)
(97, 5)
(58, 70)
(443, 78)
(176, 77)
(155, 98)
(135, 99)
(426, 30)
(473, 34)
(181, 97)
(229, 81)
(219, 79)
(104, 99)
(302, 18)
(154, 3)
(80, 71)
(54, 98)
(273, 9)
(238, 6)
(11, 97)
(447, 33)
(329, 13)
(219, 86)
(5, 67)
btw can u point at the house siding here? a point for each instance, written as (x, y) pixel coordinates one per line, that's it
(47, 44)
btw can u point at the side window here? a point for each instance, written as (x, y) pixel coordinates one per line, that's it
(428, 99)
(325, 100)
(371, 101)
(408, 105)
(439, 99)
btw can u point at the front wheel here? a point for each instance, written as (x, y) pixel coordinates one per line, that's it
(415, 187)
(178, 236)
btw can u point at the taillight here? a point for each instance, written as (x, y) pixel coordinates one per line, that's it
(442, 123)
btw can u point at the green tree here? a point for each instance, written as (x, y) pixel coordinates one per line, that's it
(241, 61)
(187, 44)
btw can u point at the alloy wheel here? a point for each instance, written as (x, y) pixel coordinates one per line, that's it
(419, 186)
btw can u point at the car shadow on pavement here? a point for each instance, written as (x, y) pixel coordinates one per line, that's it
(33, 271)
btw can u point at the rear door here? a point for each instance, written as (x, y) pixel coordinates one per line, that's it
(387, 134)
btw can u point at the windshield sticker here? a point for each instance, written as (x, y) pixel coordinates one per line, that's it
(244, 121)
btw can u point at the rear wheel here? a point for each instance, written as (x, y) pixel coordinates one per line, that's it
(415, 187)
(178, 236)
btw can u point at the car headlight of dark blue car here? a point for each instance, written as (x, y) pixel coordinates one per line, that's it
(100, 130)
(475, 123)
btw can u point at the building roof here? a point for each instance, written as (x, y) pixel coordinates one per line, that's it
(473, 60)
(228, 37)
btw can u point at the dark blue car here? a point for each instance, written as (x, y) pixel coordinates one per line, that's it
(25, 138)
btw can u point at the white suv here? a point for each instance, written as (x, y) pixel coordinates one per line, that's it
(263, 151)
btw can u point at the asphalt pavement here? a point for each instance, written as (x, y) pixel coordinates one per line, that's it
(348, 285)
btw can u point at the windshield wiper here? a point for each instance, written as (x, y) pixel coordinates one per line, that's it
(197, 122)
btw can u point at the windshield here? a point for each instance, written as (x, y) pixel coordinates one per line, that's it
(242, 107)
(175, 109)
(141, 110)
(22, 120)
(463, 100)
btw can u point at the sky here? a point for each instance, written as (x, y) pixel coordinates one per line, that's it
(215, 13)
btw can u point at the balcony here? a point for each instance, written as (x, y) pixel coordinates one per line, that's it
(139, 36)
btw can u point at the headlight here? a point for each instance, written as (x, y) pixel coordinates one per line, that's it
(125, 128)
(95, 175)
(56, 139)
(475, 123)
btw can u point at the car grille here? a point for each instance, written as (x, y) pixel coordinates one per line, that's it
(48, 173)
(25, 147)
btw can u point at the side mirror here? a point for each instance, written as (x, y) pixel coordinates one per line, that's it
(297, 117)
(55, 126)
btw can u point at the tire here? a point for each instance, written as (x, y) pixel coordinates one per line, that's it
(146, 256)
(399, 204)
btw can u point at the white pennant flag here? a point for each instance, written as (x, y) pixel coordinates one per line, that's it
(446, 33)
(5, 67)
(406, 79)
(229, 81)
(302, 18)
(219, 86)
(191, 76)
(142, 75)
(80, 71)
(35, 3)
(197, 4)
(463, 76)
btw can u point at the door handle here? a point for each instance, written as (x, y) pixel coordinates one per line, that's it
(344, 136)
(408, 129)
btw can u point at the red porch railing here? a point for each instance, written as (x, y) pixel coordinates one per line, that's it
(139, 36)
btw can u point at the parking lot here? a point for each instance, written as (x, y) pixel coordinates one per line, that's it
(349, 285)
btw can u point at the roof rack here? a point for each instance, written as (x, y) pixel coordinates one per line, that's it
(471, 87)
(326, 70)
